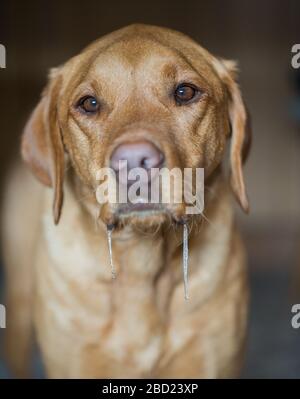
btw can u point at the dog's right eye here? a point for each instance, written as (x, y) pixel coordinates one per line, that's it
(89, 105)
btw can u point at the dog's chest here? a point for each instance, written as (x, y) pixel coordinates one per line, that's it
(121, 334)
(110, 326)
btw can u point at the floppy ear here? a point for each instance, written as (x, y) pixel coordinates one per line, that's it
(240, 131)
(42, 146)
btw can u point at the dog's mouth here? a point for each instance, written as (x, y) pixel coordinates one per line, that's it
(144, 216)
(140, 209)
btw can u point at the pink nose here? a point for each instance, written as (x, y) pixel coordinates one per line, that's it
(140, 154)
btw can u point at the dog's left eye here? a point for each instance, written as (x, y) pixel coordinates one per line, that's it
(184, 93)
(89, 104)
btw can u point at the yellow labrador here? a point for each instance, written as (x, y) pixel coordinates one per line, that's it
(153, 97)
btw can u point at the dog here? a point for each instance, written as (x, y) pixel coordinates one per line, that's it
(152, 97)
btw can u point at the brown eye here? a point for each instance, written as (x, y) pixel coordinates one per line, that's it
(184, 93)
(89, 105)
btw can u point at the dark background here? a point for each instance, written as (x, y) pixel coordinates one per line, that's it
(259, 34)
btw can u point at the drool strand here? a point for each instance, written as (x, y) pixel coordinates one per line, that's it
(109, 241)
(185, 260)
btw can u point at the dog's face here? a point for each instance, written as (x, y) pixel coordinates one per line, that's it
(146, 95)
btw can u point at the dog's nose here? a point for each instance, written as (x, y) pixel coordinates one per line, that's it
(141, 154)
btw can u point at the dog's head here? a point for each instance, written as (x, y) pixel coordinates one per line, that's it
(147, 95)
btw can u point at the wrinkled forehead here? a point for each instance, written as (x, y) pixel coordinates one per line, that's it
(144, 58)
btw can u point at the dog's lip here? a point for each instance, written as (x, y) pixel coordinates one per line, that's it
(140, 208)
(143, 211)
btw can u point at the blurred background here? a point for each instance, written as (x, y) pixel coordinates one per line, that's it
(259, 34)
